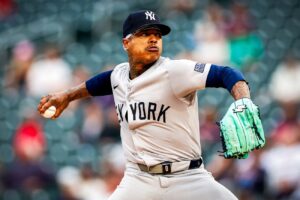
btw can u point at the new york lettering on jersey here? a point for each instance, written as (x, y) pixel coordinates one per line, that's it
(142, 111)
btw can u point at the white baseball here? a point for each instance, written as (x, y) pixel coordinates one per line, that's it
(49, 112)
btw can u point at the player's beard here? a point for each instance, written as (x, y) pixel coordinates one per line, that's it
(144, 57)
(139, 63)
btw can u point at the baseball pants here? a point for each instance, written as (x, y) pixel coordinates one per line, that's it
(194, 184)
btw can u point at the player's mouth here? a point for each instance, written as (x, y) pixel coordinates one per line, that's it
(153, 49)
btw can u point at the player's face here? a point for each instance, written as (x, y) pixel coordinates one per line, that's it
(144, 46)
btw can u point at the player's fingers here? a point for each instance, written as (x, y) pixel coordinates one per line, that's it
(57, 114)
(43, 100)
(45, 107)
(59, 110)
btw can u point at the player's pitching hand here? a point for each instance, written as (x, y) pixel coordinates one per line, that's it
(59, 100)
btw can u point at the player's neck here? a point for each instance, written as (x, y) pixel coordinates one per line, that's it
(137, 69)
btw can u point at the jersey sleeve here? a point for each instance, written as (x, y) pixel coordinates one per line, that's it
(187, 76)
(100, 84)
(223, 76)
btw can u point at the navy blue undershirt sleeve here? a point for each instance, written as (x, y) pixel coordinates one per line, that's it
(226, 77)
(99, 85)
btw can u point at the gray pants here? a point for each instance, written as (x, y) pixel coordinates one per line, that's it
(194, 184)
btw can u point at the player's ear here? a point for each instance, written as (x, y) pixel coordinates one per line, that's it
(125, 44)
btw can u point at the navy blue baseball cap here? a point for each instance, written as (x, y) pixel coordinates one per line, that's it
(142, 20)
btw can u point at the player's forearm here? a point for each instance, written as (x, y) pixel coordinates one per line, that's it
(62, 99)
(77, 92)
(240, 90)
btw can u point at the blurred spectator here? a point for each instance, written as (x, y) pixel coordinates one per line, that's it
(212, 45)
(245, 46)
(209, 131)
(29, 142)
(282, 161)
(208, 128)
(223, 170)
(284, 85)
(245, 177)
(51, 71)
(111, 130)
(185, 6)
(68, 178)
(7, 7)
(28, 173)
(112, 165)
(250, 177)
(287, 129)
(91, 186)
(93, 122)
(239, 22)
(86, 184)
(22, 58)
(83, 184)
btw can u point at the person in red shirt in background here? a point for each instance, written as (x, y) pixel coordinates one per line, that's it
(29, 173)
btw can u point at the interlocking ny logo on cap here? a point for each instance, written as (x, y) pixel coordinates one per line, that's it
(150, 15)
(143, 19)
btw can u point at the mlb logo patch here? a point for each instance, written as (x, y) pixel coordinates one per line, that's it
(199, 67)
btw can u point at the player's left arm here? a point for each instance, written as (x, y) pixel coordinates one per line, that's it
(196, 76)
(241, 128)
(229, 78)
(240, 90)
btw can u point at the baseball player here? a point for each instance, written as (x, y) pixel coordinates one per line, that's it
(157, 106)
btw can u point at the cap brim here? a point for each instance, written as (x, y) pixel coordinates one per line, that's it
(164, 29)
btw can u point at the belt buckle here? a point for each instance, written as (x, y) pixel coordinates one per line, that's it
(166, 167)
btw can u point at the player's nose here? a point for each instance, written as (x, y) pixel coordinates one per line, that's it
(153, 38)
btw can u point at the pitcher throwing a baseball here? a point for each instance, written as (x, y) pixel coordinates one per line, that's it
(157, 106)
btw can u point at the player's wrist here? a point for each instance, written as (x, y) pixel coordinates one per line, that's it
(68, 97)
(246, 99)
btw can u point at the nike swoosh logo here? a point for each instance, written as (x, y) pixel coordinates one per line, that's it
(116, 86)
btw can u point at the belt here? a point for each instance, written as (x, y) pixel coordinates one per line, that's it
(171, 167)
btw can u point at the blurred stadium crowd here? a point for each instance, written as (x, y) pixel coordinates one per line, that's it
(48, 46)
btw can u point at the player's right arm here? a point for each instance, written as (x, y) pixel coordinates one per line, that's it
(98, 85)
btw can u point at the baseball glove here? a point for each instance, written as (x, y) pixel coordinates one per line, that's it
(241, 129)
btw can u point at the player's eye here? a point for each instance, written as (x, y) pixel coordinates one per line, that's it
(158, 35)
(141, 34)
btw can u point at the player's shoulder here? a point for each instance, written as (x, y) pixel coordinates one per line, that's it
(184, 67)
(183, 63)
(120, 72)
(179, 64)
(121, 68)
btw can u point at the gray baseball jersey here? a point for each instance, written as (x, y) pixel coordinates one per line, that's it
(158, 113)
(158, 110)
